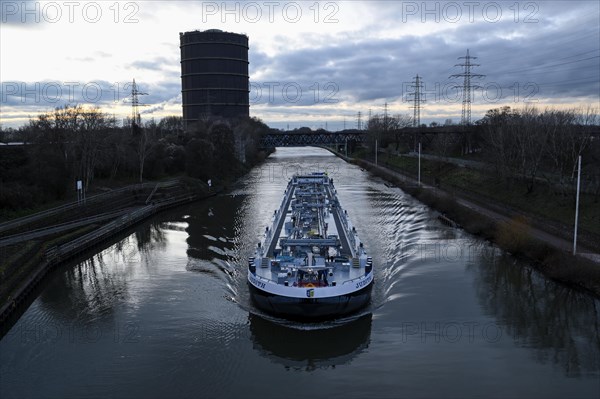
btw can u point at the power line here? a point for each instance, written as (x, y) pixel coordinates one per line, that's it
(577, 55)
(566, 82)
(552, 65)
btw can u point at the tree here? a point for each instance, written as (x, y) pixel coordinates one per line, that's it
(143, 141)
(384, 128)
(568, 137)
(528, 144)
(499, 142)
(443, 144)
(170, 125)
(400, 122)
(222, 138)
(248, 132)
(531, 141)
(199, 159)
(90, 141)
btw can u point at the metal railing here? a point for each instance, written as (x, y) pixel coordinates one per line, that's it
(15, 238)
(12, 224)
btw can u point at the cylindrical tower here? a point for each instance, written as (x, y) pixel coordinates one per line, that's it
(214, 74)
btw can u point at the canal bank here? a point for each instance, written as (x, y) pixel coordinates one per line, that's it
(22, 272)
(512, 232)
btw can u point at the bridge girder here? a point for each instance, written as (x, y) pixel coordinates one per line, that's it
(309, 139)
(271, 140)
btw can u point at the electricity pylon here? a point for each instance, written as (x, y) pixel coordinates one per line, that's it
(467, 87)
(135, 103)
(417, 100)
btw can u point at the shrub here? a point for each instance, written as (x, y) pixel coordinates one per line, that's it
(514, 235)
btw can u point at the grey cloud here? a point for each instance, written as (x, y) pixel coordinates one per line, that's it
(258, 59)
(52, 94)
(21, 13)
(550, 59)
(156, 64)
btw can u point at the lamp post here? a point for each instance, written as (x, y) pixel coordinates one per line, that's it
(577, 205)
(419, 172)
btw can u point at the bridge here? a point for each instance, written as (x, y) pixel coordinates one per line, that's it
(295, 139)
(322, 137)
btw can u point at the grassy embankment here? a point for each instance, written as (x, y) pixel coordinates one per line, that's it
(513, 236)
(543, 202)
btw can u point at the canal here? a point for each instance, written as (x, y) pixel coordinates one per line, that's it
(165, 311)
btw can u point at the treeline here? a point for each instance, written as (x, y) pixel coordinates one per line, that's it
(387, 129)
(535, 146)
(527, 146)
(78, 143)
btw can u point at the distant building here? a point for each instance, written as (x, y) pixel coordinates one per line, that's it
(214, 74)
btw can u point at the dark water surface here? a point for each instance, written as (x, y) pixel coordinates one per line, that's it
(165, 312)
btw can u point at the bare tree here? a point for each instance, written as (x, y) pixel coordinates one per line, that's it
(530, 138)
(387, 129)
(143, 140)
(499, 143)
(400, 121)
(527, 144)
(443, 144)
(91, 141)
(585, 118)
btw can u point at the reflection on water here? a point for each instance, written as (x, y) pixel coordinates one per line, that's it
(560, 325)
(150, 236)
(101, 283)
(298, 347)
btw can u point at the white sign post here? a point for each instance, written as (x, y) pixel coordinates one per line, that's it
(79, 191)
(419, 171)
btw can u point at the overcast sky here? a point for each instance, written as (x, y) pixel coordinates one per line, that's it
(333, 59)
